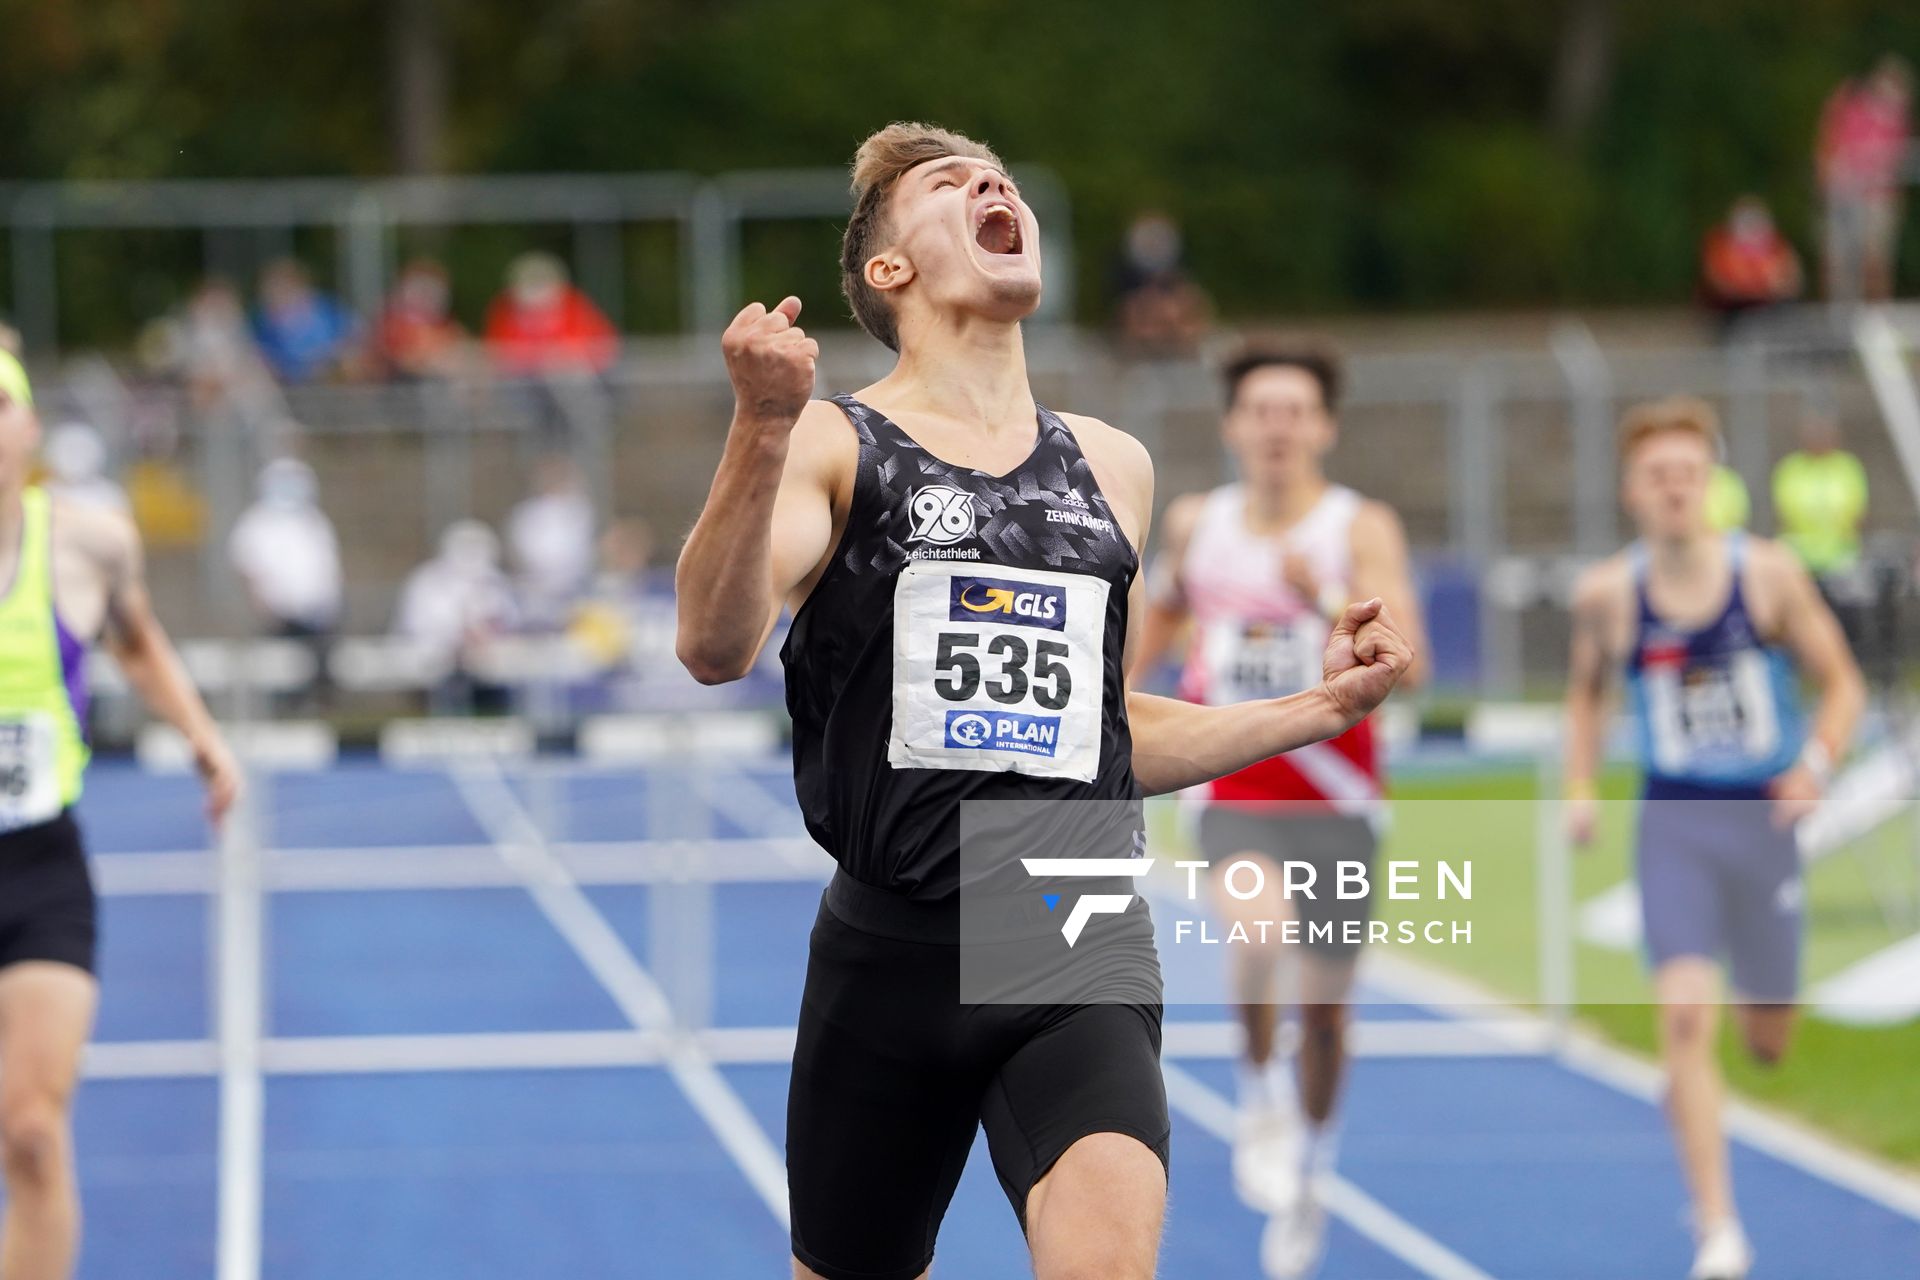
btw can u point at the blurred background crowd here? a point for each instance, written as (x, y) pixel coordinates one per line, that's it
(432, 426)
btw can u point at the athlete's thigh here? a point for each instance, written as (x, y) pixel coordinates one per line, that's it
(1326, 977)
(1341, 849)
(1764, 915)
(882, 1106)
(1085, 1069)
(1681, 907)
(46, 1015)
(1229, 836)
(1098, 1211)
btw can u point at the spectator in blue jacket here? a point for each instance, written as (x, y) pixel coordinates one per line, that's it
(303, 334)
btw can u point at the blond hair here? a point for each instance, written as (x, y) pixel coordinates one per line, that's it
(877, 165)
(1686, 415)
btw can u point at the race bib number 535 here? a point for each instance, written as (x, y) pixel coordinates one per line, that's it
(997, 669)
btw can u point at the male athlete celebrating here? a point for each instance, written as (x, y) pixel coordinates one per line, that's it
(1709, 627)
(1264, 568)
(74, 575)
(962, 564)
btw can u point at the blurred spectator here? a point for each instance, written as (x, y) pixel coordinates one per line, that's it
(1820, 495)
(9, 339)
(1820, 498)
(303, 333)
(611, 618)
(1728, 506)
(541, 324)
(1158, 309)
(417, 336)
(285, 550)
(1860, 160)
(207, 345)
(76, 461)
(551, 536)
(1746, 265)
(454, 606)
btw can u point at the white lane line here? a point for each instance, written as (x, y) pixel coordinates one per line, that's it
(150, 1059)
(752, 860)
(1585, 1054)
(239, 1007)
(1343, 1199)
(600, 948)
(724, 1046)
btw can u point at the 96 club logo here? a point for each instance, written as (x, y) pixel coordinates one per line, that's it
(1003, 731)
(940, 514)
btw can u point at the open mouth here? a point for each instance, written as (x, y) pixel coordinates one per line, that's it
(997, 229)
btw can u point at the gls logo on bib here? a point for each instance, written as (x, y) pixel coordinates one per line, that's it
(1024, 604)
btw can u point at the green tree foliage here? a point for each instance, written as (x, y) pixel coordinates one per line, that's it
(1378, 154)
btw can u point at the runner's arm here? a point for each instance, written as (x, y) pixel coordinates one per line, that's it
(1381, 568)
(1164, 602)
(146, 656)
(1589, 700)
(767, 524)
(1812, 635)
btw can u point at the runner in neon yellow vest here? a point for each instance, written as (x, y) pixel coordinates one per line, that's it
(71, 575)
(1820, 495)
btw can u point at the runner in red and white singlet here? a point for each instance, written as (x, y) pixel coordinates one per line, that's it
(1254, 573)
(1257, 603)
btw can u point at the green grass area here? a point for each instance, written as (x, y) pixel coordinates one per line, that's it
(1861, 1084)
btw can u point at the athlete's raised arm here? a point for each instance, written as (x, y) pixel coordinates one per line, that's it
(1597, 599)
(1178, 744)
(139, 644)
(768, 521)
(1812, 635)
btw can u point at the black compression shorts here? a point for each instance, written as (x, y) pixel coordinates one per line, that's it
(892, 1076)
(1322, 839)
(47, 905)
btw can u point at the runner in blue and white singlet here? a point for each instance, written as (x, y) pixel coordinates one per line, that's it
(1713, 633)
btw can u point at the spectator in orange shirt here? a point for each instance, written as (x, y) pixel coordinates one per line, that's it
(1861, 161)
(1746, 265)
(417, 337)
(542, 325)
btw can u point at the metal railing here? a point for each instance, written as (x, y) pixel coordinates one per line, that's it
(243, 222)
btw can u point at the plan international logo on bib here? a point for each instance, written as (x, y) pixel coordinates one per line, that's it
(1024, 604)
(1004, 731)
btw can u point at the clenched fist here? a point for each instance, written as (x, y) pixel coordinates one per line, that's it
(770, 360)
(1366, 657)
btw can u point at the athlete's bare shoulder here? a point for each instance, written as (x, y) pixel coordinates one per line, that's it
(1772, 561)
(1182, 517)
(1603, 590)
(1376, 521)
(1121, 464)
(1775, 581)
(105, 539)
(823, 446)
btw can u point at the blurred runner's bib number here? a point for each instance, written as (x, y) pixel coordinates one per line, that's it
(998, 669)
(1707, 714)
(29, 784)
(1247, 660)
